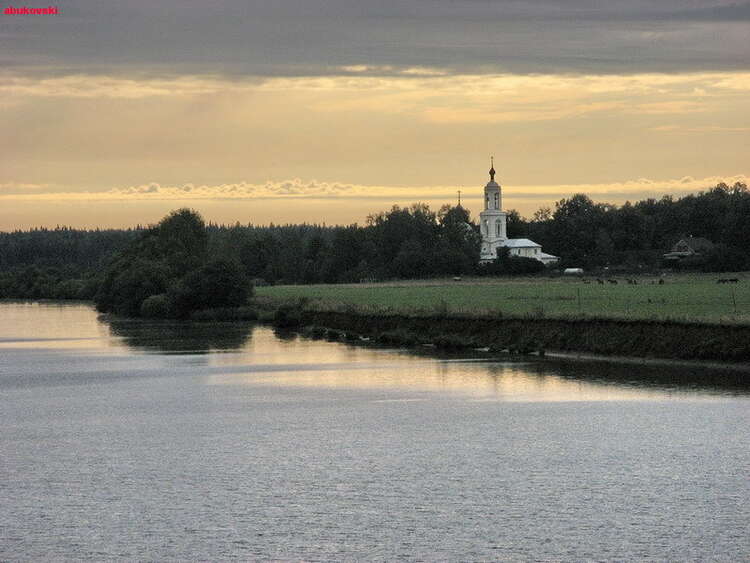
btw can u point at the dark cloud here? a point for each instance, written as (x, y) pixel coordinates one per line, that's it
(292, 37)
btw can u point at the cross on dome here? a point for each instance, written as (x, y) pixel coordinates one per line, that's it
(492, 169)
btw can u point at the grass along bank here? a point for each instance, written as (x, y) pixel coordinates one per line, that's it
(694, 318)
(687, 297)
(682, 340)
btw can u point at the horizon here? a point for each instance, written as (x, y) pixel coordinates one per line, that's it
(327, 111)
(404, 204)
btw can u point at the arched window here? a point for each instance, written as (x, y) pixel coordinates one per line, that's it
(497, 201)
(485, 227)
(498, 226)
(486, 202)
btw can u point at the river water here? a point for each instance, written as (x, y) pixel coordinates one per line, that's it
(135, 440)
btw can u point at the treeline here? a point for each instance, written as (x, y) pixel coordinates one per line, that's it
(413, 242)
(408, 242)
(589, 235)
(60, 263)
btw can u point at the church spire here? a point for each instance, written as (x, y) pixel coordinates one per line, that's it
(492, 169)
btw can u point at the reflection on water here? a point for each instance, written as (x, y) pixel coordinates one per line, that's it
(149, 441)
(174, 337)
(237, 352)
(685, 377)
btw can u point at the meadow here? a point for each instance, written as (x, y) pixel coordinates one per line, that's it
(684, 297)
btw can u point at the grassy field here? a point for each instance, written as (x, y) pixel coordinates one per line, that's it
(682, 297)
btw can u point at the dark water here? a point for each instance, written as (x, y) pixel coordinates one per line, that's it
(144, 441)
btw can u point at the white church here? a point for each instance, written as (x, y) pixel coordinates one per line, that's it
(493, 221)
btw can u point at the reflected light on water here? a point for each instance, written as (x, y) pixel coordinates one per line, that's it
(248, 355)
(357, 367)
(65, 325)
(180, 441)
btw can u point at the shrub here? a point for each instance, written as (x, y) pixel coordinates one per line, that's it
(156, 307)
(127, 285)
(723, 258)
(218, 284)
(225, 314)
(288, 315)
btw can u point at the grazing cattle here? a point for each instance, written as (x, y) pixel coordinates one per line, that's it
(661, 282)
(600, 282)
(612, 281)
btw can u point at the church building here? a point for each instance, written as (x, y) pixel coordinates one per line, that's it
(493, 223)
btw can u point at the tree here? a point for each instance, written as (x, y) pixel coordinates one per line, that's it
(180, 239)
(723, 258)
(170, 258)
(458, 251)
(515, 225)
(574, 227)
(219, 283)
(125, 289)
(541, 215)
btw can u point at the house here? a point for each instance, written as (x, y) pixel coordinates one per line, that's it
(687, 247)
(493, 223)
(526, 248)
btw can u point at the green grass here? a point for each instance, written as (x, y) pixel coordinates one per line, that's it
(683, 297)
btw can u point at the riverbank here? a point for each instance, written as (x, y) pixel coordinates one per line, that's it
(682, 340)
(619, 339)
(682, 297)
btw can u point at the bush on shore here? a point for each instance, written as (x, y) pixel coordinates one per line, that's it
(166, 273)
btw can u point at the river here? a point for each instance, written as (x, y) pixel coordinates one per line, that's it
(152, 441)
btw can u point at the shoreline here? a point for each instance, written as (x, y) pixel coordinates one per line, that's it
(624, 341)
(635, 341)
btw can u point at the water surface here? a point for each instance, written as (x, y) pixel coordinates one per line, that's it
(136, 440)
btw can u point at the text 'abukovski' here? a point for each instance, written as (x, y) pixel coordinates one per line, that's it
(26, 11)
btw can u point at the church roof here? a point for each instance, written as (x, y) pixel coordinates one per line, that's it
(521, 243)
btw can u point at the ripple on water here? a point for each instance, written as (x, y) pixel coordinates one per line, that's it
(152, 441)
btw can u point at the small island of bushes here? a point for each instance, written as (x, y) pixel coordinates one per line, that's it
(167, 273)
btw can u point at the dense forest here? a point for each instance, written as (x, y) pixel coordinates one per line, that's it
(413, 242)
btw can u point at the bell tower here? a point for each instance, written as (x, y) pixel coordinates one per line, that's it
(492, 219)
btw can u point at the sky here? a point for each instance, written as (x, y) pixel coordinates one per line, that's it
(325, 111)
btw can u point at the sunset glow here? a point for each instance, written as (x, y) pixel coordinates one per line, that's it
(98, 141)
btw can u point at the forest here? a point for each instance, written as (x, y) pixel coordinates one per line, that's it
(401, 243)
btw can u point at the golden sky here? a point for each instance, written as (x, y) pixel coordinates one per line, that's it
(91, 139)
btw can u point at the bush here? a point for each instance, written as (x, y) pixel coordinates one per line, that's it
(507, 265)
(68, 289)
(128, 285)
(225, 314)
(156, 307)
(218, 284)
(288, 315)
(723, 258)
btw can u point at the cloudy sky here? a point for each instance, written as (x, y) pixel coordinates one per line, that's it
(112, 113)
